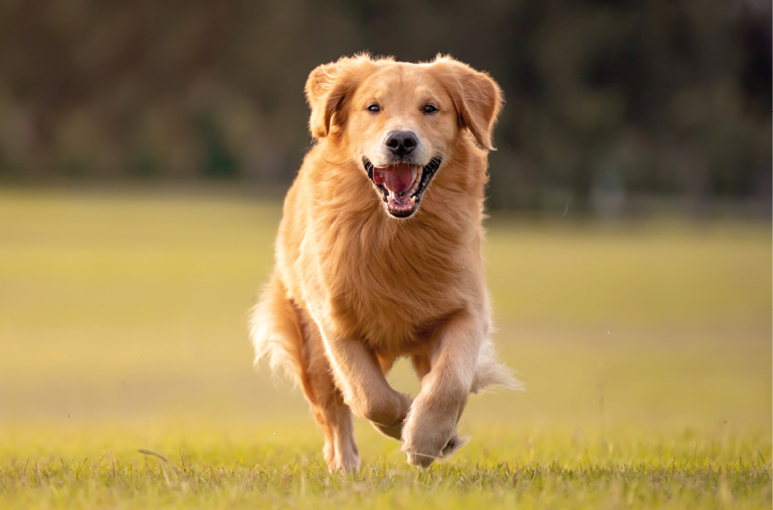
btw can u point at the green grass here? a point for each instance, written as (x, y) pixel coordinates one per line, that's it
(540, 467)
(227, 475)
(645, 348)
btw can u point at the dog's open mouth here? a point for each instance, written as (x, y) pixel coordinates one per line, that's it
(402, 184)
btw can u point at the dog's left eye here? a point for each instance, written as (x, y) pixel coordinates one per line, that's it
(430, 108)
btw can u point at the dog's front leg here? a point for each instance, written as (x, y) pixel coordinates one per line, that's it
(365, 389)
(429, 432)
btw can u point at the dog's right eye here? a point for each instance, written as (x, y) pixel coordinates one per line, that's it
(374, 107)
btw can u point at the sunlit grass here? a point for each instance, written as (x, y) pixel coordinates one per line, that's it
(537, 468)
(644, 347)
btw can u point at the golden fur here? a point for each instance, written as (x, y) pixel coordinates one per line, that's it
(354, 288)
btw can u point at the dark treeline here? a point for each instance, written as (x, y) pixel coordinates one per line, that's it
(605, 100)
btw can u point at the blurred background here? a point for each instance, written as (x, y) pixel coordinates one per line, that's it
(145, 148)
(611, 106)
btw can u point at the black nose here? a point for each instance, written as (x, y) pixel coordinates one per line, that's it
(402, 142)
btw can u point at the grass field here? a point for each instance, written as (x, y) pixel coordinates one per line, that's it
(645, 348)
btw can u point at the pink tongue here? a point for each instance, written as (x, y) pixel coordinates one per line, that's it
(397, 178)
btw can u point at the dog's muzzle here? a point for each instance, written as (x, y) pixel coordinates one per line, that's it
(402, 184)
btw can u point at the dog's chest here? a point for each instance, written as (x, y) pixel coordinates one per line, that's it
(393, 291)
(392, 323)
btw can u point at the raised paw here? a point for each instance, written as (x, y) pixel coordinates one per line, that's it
(395, 429)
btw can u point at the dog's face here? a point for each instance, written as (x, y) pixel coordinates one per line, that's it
(401, 123)
(398, 121)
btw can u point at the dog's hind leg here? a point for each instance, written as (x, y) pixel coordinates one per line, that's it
(283, 334)
(327, 403)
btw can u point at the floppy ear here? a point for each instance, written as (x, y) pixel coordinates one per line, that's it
(328, 88)
(477, 98)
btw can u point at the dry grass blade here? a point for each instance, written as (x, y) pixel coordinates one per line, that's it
(162, 460)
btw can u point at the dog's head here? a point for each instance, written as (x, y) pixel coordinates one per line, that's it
(399, 121)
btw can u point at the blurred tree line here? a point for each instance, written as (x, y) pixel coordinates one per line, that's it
(606, 100)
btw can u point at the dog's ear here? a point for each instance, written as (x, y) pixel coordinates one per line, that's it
(477, 98)
(328, 88)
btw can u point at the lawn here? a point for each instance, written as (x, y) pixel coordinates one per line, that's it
(644, 346)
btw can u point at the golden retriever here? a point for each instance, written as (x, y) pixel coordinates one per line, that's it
(378, 254)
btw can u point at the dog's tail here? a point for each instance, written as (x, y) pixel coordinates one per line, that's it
(491, 373)
(276, 332)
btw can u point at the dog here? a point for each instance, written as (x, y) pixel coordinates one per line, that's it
(378, 254)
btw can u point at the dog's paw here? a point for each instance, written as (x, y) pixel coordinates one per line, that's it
(344, 458)
(344, 464)
(423, 457)
(418, 459)
(394, 431)
(454, 445)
